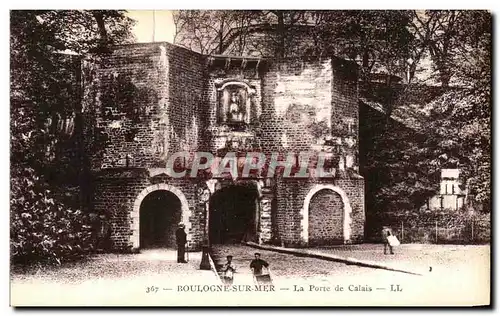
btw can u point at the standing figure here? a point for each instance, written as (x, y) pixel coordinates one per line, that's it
(228, 270)
(256, 266)
(386, 232)
(235, 113)
(104, 235)
(180, 239)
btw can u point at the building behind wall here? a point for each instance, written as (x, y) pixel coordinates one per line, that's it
(451, 195)
(145, 102)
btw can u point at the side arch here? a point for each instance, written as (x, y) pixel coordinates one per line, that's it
(135, 216)
(305, 211)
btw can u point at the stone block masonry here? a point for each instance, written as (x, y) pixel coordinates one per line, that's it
(145, 102)
(296, 106)
(118, 193)
(296, 226)
(326, 211)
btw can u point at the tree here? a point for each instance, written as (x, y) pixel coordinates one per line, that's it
(46, 140)
(42, 229)
(223, 31)
(373, 39)
(449, 127)
(461, 117)
(44, 79)
(211, 31)
(446, 36)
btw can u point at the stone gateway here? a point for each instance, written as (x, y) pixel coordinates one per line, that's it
(144, 103)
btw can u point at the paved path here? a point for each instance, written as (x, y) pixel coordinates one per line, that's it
(460, 274)
(110, 279)
(418, 257)
(125, 280)
(343, 258)
(241, 260)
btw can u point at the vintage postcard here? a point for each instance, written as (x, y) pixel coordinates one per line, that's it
(250, 157)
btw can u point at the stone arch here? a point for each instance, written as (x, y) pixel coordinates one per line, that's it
(220, 189)
(235, 82)
(135, 216)
(305, 211)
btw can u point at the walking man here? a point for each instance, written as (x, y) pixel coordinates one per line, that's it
(256, 266)
(386, 232)
(180, 239)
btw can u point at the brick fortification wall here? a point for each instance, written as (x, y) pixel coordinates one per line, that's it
(143, 100)
(186, 99)
(296, 104)
(326, 211)
(147, 101)
(151, 100)
(290, 197)
(304, 102)
(116, 192)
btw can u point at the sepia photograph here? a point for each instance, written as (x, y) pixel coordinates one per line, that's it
(183, 158)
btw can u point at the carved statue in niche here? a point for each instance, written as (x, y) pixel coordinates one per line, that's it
(235, 108)
(234, 103)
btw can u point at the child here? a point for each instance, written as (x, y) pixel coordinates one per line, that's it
(228, 270)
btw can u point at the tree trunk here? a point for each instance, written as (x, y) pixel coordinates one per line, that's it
(364, 74)
(221, 38)
(444, 77)
(103, 40)
(280, 51)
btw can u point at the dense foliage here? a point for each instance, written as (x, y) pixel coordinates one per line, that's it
(454, 126)
(42, 228)
(402, 57)
(47, 163)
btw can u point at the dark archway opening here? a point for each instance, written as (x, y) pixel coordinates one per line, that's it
(234, 215)
(160, 213)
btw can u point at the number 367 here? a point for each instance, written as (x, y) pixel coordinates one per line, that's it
(151, 289)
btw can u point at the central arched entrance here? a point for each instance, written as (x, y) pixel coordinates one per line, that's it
(234, 214)
(160, 213)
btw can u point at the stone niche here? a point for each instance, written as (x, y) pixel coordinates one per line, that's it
(234, 103)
